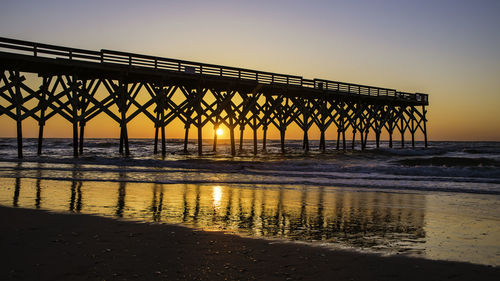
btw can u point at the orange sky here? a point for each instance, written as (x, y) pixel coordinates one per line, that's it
(448, 49)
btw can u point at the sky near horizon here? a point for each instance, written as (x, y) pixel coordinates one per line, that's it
(448, 49)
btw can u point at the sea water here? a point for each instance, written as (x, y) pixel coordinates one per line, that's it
(442, 202)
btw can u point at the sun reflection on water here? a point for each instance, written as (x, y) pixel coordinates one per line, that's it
(217, 196)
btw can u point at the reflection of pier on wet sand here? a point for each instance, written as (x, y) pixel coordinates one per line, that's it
(462, 227)
(376, 220)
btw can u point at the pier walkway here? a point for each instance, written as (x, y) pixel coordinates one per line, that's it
(80, 84)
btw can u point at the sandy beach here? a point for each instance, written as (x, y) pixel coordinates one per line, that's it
(39, 245)
(249, 140)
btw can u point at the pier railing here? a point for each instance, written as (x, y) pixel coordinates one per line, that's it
(195, 68)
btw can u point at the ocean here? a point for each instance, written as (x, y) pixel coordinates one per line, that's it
(442, 202)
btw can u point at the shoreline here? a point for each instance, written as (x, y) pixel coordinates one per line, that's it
(54, 246)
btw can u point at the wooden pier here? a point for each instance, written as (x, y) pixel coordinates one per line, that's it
(81, 84)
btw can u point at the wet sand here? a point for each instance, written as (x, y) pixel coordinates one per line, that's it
(37, 245)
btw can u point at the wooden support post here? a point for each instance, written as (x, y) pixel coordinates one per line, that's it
(377, 138)
(361, 138)
(186, 135)
(366, 137)
(264, 137)
(254, 134)
(305, 114)
(425, 125)
(125, 138)
(199, 125)
(231, 135)
(83, 102)
(123, 92)
(19, 100)
(75, 138)
(155, 150)
(305, 144)
(43, 107)
(390, 138)
(255, 140)
(402, 131)
(322, 143)
(353, 139)
(121, 108)
(163, 141)
(242, 129)
(412, 127)
(216, 126)
(344, 144)
(157, 122)
(41, 124)
(412, 138)
(82, 132)
(120, 149)
(200, 139)
(304, 140)
(74, 106)
(282, 137)
(338, 139)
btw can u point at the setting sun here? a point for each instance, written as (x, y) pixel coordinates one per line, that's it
(219, 132)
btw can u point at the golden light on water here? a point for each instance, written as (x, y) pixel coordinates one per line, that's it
(219, 132)
(217, 194)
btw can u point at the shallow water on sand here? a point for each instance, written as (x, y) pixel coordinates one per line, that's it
(449, 226)
(438, 203)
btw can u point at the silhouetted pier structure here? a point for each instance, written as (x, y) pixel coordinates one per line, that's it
(81, 84)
